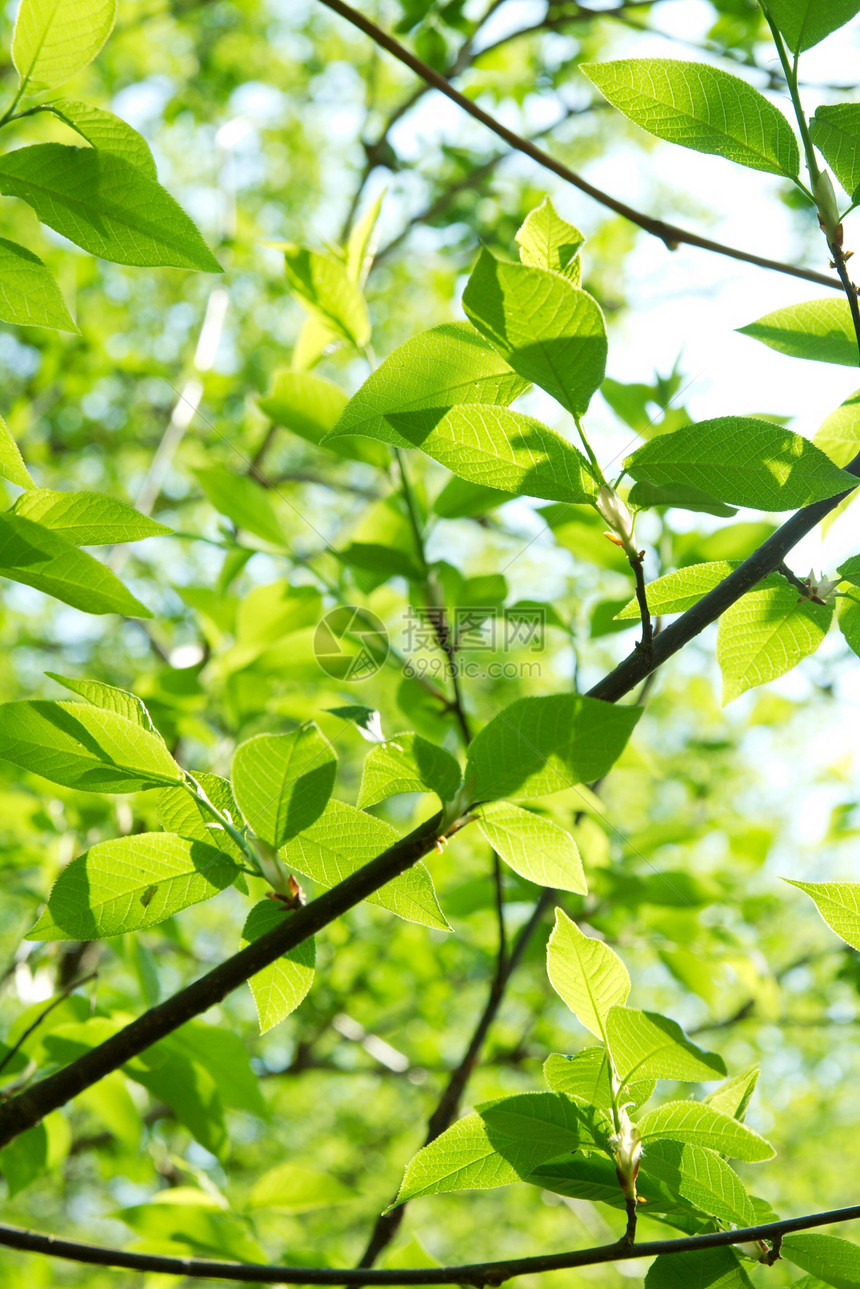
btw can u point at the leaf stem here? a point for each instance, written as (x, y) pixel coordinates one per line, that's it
(198, 793)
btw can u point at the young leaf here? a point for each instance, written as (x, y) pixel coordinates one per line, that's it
(87, 518)
(536, 848)
(291, 1188)
(839, 433)
(342, 840)
(29, 295)
(587, 1075)
(705, 1126)
(360, 246)
(110, 699)
(54, 39)
(820, 330)
(549, 331)
(460, 499)
(700, 1177)
(505, 1141)
(593, 1177)
(408, 763)
(766, 633)
(833, 1260)
(541, 745)
(323, 284)
(805, 22)
(835, 131)
(698, 1269)
(547, 241)
(105, 205)
(645, 1045)
(106, 132)
(681, 496)
(700, 107)
(586, 974)
(311, 407)
(48, 561)
(11, 462)
(243, 500)
(84, 747)
(437, 369)
(130, 883)
(742, 461)
(283, 781)
(839, 905)
(496, 448)
(279, 988)
(848, 617)
(676, 592)
(733, 1096)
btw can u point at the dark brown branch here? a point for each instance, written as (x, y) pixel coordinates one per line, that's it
(769, 556)
(29, 1107)
(672, 235)
(477, 1274)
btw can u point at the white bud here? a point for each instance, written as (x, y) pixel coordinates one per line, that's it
(616, 514)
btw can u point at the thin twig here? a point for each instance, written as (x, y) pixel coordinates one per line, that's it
(670, 234)
(476, 1274)
(43, 1015)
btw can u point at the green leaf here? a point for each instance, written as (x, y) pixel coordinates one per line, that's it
(29, 295)
(11, 462)
(805, 22)
(183, 1219)
(279, 988)
(359, 245)
(549, 331)
(839, 905)
(833, 1260)
(766, 633)
(536, 848)
(541, 745)
(342, 840)
(496, 448)
(681, 496)
(850, 570)
(586, 974)
(367, 720)
(291, 1188)
(705, 1126)
(110, 699)
(283, 781)
(226, 1057)
(435, 370)
(460, 499)
(742, 461)
(820, 330)
(105, 205)
(408, 763)
(848, 617)
(676, 592)
(835, 131)
(180, 811)
(702, 1178)
(87, 518)
(505, 1141)
(105, 131)
(323, 284)
(547, 241)
(244, 501)
(645, 1045)
(48, 561)
(700, 107)
(311, 407)
(130, 883)
(587, 1075)
(54, 39)
(733, 1096)
(698, 1269)
(84, 747)
(839, 433)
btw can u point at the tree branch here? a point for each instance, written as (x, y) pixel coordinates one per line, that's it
(476, 1274)
(670, 234)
